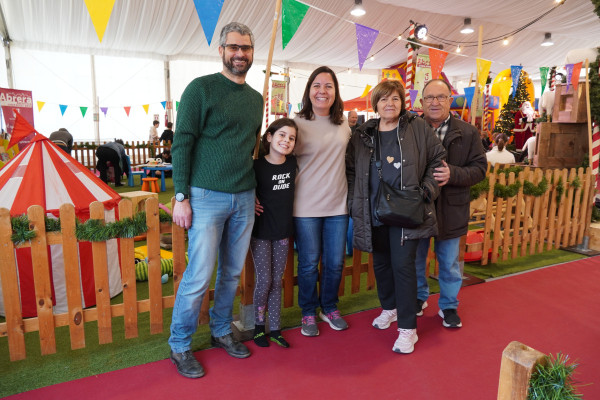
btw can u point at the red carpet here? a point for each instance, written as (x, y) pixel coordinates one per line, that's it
(556, 309)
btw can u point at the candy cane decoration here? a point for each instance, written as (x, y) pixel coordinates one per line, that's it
(552, 79)
(596, 152)
(267, 111)
(409, 65)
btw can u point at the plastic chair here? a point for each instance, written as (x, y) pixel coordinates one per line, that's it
(150, 185)
(141, 174)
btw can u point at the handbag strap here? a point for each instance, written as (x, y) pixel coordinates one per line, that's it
(378, 151)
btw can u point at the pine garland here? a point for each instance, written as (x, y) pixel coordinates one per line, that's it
(595, 80)
(92, 230)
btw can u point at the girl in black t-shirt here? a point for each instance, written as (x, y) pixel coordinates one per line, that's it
(275, 177)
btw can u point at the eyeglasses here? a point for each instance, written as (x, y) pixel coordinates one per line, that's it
(440, 98)
(235, 47)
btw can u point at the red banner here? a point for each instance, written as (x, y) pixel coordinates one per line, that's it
(20, 101)
(575, 75)
(437, 58)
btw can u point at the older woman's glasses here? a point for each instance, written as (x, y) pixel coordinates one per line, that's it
(440, 99)
(235, 47)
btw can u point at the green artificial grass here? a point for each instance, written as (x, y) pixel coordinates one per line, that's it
(39, 371)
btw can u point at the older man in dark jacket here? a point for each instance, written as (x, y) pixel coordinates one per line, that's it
(465, 166)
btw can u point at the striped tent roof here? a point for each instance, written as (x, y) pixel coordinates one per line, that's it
(42, 174)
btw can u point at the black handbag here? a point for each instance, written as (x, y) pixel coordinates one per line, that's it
(397, 207)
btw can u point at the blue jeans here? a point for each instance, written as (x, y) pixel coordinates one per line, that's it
(221, 223)
(320, 238)
(450, 278)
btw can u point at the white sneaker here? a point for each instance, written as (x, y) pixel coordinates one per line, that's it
(406, 341)
(421, 305)
(385, 319)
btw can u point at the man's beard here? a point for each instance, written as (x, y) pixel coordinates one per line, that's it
(236, 71)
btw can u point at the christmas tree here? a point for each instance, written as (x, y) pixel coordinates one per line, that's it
(506, 119)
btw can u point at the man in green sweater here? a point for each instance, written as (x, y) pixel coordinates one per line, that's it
(218, 118)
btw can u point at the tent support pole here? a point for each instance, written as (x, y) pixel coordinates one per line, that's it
(7, 56)
(475, 100)
(95, 101)
(268, 68)
(169, 106)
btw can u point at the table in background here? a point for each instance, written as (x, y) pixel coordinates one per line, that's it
(160, 167)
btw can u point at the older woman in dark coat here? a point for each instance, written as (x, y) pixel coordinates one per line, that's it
(409, 153)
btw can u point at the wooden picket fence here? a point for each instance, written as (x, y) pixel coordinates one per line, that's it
(138, 153)
(46, 322)
(518, 225)
(525, 224)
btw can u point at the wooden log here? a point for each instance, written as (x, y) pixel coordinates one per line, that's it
(568, 209)
(154, 270)
(128, 275)
(72, 276)
(101, 280)
(518, 363)
(10, 290)
(41, 280)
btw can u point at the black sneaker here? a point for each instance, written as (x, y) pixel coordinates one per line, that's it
(260, 337)
(232, 347)
(421, 305)
(451, 318)
(277, 337)
(187, 365)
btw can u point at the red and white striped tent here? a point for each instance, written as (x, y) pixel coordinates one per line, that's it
(43, 174)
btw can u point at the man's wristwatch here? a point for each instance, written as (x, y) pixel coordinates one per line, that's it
(181, 197)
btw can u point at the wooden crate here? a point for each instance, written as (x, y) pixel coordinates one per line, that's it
(561, 145)
(569, 105)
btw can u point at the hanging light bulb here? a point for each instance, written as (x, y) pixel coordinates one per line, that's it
(458, 49)
(505, 42)
(547, 40)
(349, 71)
(372, 58)
(358, 10)
(400, 37)
(467, 28)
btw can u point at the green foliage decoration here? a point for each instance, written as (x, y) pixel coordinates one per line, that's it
(506, 191)
(553, 380)
(92, 230)
(479, 188)
(21, 230)
(535, 190)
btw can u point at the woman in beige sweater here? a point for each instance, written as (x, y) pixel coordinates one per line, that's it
(320, 211)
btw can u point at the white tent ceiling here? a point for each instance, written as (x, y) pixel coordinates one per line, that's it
(170, 29)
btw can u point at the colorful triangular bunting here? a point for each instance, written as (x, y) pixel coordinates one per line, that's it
(100, 11)
(208, 12)
(292, 16)
(365, 37)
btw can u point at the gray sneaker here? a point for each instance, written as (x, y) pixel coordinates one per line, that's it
(335, 320)
(309, 326)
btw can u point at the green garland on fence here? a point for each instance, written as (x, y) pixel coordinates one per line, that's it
(479, 188)
(560, 188)
(506, 191)
(535, 190)
(92, 230)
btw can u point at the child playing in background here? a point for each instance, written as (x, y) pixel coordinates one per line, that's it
(275, 177)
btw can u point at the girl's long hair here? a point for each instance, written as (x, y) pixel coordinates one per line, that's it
(274, 127)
